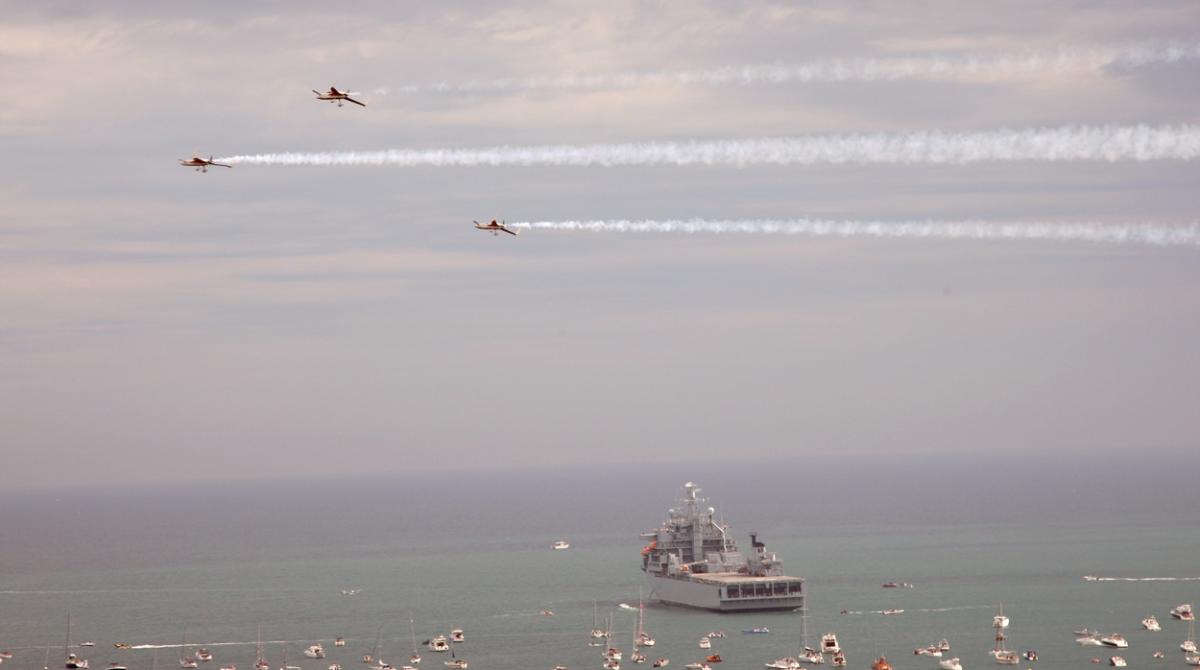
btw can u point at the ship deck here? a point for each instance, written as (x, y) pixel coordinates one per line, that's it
(739, 578)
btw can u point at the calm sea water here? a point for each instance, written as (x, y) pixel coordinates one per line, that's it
(472, 550)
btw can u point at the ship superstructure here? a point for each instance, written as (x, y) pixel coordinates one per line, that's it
(692, 560)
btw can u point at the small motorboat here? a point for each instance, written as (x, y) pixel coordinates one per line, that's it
(713, 658)
(117, 666)
(756, 631)
(339, 642)
(839, 660)
(705, 643)
(1192, 659)
(315, 651)
(203, 655)
(1006, 657)
(893, 612)
(1158, 654)
(786, 663)
(334, 666)
(881, 663)
(943, 644)
(1088, 641)
(457, 635)
(715, 634)
(1031, 655)
(1117, 662)
(546, 612)
(931, 650)
(5, 655)
(458, 663)
(234, 667)
(116, 645)
(950, 664)
(661, 662)
(1114, 640)
(188, 663)
(697, 666)
(891, 585)
(1151, 624)
(75, 663)
(1182, 612)
(562, 544)
(366, 658)
(612, 664)
(436, 643)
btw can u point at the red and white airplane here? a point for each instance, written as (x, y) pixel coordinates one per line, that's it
(334, 95)
(496, 228)
(200, 164)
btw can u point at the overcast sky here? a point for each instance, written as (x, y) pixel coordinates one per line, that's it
(156, 323)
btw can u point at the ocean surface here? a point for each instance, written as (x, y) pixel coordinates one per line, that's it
(210, 562)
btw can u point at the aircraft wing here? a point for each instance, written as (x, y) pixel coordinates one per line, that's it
(510, 232)
(360, 104)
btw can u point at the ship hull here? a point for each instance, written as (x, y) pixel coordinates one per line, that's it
(698, 594)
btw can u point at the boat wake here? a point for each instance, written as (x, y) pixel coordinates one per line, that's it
(954, 608)
(1092, 578)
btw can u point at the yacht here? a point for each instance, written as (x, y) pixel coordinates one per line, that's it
(562, 544)
(1158, 654)
(807, 653)
(705, 643)
(950, 664)
(641, 637)
(438, 643)
(612, 664)
(335, 666)
(117, 666)
(829, 644)
(1007, 658)
(415, 657)
(234, 667)
(1150, 623)
(1184, 612)
(459, 663)
(1000, 621)
(786, 663)
(457, 635)
(1117, 662)
(597, 633)
(1115, 640)
(1002, 655)
(315, 651)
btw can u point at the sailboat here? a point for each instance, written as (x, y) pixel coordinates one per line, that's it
(285, 665)
(1188, 646)
(1002, 655)
(186, 660)
(634, 654)
(597, 632)
(260, 663)
(807, 653)
(610, 652)
(380, 664)
(455, 661)
(643, 638)
(73, 662)
(415, 659)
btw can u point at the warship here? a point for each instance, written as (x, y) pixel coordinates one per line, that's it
(692, 561)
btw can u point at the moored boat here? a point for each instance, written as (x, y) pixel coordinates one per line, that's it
(881, 663)
(661, 662)
(1151, 624)
(1117, 662)
(1114, 640)
(950, 664)
(839, 660)
(829, 644)
(1183, 612)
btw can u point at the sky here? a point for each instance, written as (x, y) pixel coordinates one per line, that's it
(157, 324)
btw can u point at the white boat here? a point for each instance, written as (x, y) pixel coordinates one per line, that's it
(315, 651)
(1150, 623)
(1192, 659)
(72, 662)
(234, 667)
(697, 666)
(203, 655)
(457, 635)
(786, 663)
(1184, 612)
(705, 643)
(894, 611)
(635, 655)
(459, 663)
(597, 633)
(950, 664)
(714, 634)
(807, 653)
(285, 665)
(1117, 662)
(339, 642)
(1188, 646)
(839, 660)
(334, 666)
(186, 660)
(612, 664)
(829, 644)
(943, 644)
(1115, 640)
(562, 544)
(931, 650)
(260, 663)
(999, 652)
(661, 662)
(438, 643)
(415, 657)
(641, 637)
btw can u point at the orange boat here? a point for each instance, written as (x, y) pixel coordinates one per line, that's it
(881, 664)
(715, 658)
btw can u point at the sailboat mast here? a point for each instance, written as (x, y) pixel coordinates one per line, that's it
(67, 646)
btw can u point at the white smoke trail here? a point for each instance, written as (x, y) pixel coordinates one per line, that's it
(1144, 579)
(973, 67)
(1067, 143)
(1147, 234)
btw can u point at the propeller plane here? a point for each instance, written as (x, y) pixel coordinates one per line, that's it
(201, 164)
(496, 228)
(334, 95)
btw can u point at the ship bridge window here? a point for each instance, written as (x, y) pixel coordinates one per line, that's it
(795, 587)
(781, 588)
(762, 589)
(732, 591)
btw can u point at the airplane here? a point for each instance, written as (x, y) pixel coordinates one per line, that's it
(334, 95)
(200, 164)
(496, 228)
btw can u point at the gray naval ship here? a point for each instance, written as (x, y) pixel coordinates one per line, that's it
(692, 561)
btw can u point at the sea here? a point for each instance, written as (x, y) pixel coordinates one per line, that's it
(211, 562)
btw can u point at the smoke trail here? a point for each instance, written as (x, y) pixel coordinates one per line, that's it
(1068, 143)
(975, 67)
(1147, 234)
(1142, 579)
